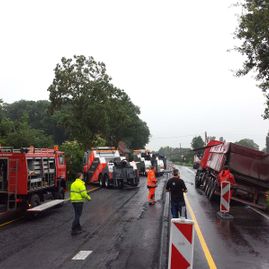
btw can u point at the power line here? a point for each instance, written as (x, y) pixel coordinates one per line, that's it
(172, 137)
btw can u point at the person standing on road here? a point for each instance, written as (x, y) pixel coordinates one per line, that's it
(151, 185)
(176, 187)
(78, 194)
(226, 175)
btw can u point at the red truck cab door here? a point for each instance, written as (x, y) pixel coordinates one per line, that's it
(60, 166)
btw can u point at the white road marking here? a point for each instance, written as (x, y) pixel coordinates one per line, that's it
(260, 213)
(82, 255)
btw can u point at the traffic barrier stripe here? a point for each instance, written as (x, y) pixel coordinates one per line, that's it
(181, 244)
(225, 197)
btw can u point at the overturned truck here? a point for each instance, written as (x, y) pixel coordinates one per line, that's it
(250, 169)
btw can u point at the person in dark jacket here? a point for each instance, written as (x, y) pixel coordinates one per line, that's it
(176, 187)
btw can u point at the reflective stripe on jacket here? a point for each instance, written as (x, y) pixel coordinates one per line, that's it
(78, 191)
(151, 179)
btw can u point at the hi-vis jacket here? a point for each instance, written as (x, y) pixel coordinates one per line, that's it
(78, 192)
(226, 175)
(151, 179)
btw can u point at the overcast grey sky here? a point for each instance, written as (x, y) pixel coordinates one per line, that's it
(170, 56)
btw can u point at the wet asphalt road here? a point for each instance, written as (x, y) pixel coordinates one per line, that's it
(242, 243)
(121, 229)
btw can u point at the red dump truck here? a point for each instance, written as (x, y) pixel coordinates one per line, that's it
(28, 176)
(250, 169)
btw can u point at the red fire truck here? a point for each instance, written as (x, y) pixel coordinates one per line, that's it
(250, 169)
(28, 176)
(105, 166)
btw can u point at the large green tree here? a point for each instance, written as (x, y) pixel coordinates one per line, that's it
(197, 142)
(248, 143)
(73, 152)
(22, 135)
(93, 106)
(38, 117)
(253, 31)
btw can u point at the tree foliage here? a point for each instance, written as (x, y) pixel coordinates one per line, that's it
(197, 142)
(248, 143)
(74, 156)
(93, 107)
(38, 116)
(182, 155)
(20, 134)
(253, 31)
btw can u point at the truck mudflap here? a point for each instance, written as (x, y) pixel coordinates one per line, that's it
(45, 206)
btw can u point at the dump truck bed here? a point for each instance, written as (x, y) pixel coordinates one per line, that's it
(247, 164)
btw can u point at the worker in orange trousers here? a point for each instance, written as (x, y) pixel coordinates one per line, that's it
(226, 175)
(151, 185)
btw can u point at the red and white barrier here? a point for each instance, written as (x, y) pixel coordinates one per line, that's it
(225, 197)
(181, 244)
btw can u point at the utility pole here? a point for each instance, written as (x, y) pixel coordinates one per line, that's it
(179, 152)
(206, 138)
(267, 143)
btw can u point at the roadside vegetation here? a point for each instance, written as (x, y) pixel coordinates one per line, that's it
(84, 110)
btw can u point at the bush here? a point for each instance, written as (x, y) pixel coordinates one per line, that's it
(74, 158)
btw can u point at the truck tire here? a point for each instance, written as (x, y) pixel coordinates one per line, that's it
(208, 187)
(60, 193)
(107, 181)
(203, 181)
(197, 180)
(120, 183)
(136, 182)
(212, 190)
(100, 180)
(34, 200)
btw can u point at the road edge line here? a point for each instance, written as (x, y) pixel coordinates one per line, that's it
(9, 222)
(164, 241)
(201, 238)
(258, 212)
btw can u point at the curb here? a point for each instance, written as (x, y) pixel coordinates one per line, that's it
(164, 241)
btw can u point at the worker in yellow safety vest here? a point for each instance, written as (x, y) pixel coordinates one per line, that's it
(151, 185)
(78, 194)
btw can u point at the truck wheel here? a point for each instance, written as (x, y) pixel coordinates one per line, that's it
(101, 182)
(60, 193)
(197, 181)
(120, 184)
(212, 190)
(202, 181)
(209, 187)
(107, 182)
(35, 200)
